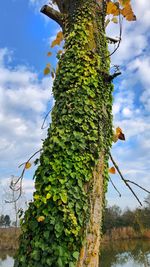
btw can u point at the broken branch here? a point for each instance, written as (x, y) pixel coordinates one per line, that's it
(52, 14)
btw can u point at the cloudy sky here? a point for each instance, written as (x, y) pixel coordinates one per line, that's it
(26, 95)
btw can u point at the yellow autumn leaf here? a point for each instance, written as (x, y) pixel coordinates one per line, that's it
(115, 138)
(60, 35)
(46, 70)
(127, 12)
(112, 8)
(118, 135)
(27, 165)
(112, 170)
(118, 130)
(40, 218)
(58, 40)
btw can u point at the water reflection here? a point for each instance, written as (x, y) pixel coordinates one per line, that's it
(116, 254)
(6, 258)
(126, 253)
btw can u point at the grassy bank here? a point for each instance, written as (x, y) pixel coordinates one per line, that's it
(9, 237)
(125, 233)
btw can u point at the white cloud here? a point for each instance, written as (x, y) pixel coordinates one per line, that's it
(132, 105)
(38, 3)
(134, 35)
(23, 103)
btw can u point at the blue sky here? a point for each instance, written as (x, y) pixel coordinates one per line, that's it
(25, 94)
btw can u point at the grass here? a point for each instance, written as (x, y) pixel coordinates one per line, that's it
(9, 238)
(125, 233)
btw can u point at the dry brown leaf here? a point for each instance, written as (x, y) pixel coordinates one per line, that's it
(46, 70)
(112, 170)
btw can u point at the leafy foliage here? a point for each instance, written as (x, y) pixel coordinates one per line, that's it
(138, 219)
(54, 224)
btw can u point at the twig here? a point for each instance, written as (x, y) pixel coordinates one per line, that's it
(124, 180)
(129, 181)
(115, 187)
(120, 35)
(42, 127)
(19, 180)
(38, 151)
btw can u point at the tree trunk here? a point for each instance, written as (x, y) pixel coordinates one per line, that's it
(90, 251)
(62, 226)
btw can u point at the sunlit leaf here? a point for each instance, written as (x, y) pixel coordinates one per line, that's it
(112, 8)
(64, 198)
(118, 130)
(48, 196)
(27, 165)
(40, 218)
(36, 197)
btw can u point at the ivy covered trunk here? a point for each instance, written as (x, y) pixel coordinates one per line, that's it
(62, 226)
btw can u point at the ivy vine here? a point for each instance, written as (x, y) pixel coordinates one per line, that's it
(53, 225)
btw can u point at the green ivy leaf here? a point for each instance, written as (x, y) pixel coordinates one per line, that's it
(59, 262)
(76, 255)
(64, 198)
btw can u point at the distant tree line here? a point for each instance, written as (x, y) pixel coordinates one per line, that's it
(5, 221)
(138, 219)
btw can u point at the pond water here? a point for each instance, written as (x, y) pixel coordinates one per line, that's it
(133, 253)
(6, 258)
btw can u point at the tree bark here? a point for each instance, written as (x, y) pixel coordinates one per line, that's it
(90, 251)
(62, 226)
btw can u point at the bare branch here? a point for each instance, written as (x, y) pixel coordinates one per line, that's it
(43, 127)
(111, 77)
(112, 40)
(20, 178)
(52, 14)
(120, 35)
(115, 187)
(123, 179)
(131, 182)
